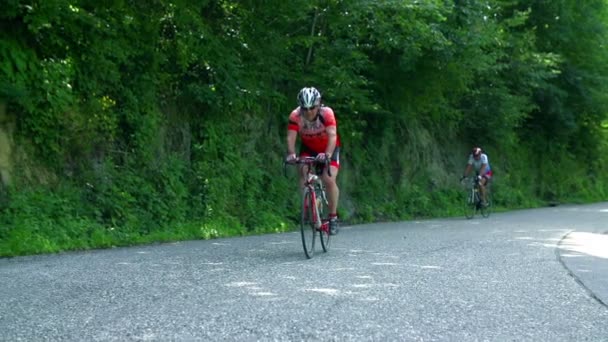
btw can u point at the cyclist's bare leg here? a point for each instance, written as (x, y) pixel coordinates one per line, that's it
(333, 192)
(482, 188)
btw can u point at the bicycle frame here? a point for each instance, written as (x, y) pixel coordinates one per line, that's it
(314, 199)
(314, 185)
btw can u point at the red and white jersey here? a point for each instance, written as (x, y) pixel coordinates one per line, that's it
(477, 163)
(313, 133)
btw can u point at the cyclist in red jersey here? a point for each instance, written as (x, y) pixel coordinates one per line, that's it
(318, 130)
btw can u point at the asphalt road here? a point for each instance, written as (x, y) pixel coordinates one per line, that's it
(531, 275)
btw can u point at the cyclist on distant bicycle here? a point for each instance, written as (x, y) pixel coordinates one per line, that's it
(318, 130)
(479, 162)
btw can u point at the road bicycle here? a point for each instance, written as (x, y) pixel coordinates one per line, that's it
(313, 221)
(473, 202)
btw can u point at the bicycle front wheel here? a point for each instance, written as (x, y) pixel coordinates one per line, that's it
(307, 224)
(470, 204)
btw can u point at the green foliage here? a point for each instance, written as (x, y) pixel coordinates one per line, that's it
(574, 104)
(43, 221)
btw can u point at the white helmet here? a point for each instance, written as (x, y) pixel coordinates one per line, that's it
(309, 97)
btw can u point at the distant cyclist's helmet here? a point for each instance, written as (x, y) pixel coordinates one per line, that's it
(476, 152)
(309, 97)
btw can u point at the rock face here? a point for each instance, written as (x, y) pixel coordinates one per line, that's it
(6, 131)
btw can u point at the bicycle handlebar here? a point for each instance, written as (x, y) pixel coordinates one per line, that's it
(472, 180)
(310, 161)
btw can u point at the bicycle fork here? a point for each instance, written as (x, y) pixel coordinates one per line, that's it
(322, 199)
(474, 196)
(316, 212)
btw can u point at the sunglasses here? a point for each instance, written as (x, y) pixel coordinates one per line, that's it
(309, 108)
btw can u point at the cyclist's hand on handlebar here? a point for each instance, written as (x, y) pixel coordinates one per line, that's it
(321, 157)
(291, 158)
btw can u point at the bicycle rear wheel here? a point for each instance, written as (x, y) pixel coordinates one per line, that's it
(470, 204)
(307, 224)
(324, 231)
